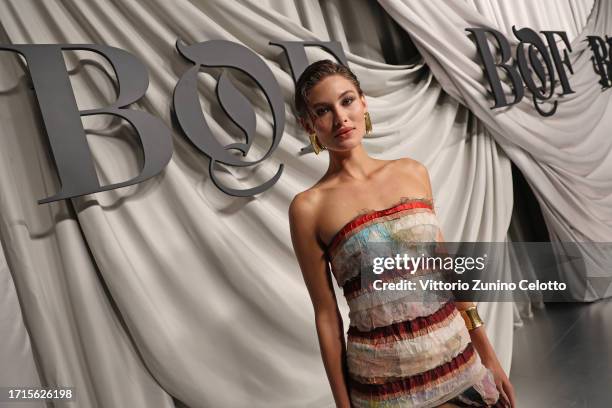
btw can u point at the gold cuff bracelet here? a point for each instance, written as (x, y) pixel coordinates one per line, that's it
(471, 318)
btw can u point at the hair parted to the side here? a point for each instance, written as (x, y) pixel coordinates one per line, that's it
(312, 75)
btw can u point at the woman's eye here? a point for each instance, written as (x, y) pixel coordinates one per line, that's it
(321, 111)
(348, 101)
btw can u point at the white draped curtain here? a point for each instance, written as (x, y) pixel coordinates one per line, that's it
(171, 293)
(564, 157)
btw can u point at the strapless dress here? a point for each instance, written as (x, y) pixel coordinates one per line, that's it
(403, 352)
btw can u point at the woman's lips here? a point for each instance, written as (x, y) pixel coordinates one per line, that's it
(345, 133)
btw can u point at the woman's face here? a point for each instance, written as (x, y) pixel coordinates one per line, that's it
(336, 113)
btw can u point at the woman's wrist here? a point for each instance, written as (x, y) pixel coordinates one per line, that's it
(477, 331)
(482, 345)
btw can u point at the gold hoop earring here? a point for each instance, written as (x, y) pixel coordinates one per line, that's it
(368, 123)
(316, 145)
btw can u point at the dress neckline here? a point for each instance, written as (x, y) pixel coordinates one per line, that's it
(375, 214)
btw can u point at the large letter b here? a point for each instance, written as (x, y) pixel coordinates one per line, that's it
(62, 119)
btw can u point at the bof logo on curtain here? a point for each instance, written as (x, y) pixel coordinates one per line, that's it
(534, 58)
(62, 118)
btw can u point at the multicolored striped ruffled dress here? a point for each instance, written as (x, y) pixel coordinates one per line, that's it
(403, 353)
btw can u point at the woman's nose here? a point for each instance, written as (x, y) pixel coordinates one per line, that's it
(340, 117)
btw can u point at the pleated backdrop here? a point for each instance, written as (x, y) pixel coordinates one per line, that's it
(171, 293)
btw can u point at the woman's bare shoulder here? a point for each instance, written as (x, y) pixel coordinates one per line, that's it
(304, 205)
(308, 201)
(417, 172)
(411, 165)
(304, 201)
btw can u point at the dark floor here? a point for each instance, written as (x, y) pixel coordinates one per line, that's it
(562, 357)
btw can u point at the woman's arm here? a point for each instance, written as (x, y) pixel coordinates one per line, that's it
(487, 355)
(478, 335)
(489, 359)
(328, 320)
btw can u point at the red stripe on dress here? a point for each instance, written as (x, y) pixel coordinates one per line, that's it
(363, 218)
(406, 328)
(421, 380)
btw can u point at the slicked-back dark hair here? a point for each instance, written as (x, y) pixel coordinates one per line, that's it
(312, 75)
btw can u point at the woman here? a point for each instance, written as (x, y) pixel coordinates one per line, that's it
(379, 365)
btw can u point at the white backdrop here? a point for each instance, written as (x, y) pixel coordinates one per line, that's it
(565, 157)
(173, 289)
